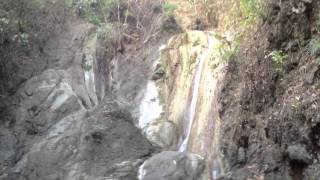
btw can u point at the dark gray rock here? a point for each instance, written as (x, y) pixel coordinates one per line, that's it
(299, 153)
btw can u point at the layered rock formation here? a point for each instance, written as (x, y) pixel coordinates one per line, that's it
(66, 123)
(181, 60)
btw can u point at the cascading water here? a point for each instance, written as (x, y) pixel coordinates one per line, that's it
(195, 91)
(150, 107)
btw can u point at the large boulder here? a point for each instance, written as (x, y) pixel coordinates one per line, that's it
(162, 133)
(172, 165)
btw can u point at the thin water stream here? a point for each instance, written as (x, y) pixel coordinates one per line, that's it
(195, 91)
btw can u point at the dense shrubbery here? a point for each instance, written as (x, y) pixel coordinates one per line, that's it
(25, 27)
(250, 10)
(26, 23)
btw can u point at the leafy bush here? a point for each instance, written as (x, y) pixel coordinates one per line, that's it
(105, 30)
(278, 57)
(251, 10)
(94, 18)
(169, 7)
(21, 38)
(314, 47)
(97, 11)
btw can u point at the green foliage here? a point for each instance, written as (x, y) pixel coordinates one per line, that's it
(314, 47)
(68, 3)
(107, 5)
(94, 18)
(251, 10)
(4, 23)
(97, 11)
(105, 30)
(8, 31)
(231, 51)
(278, 58)
(169, 7)
(21, 38)
(228, 49)
(38, 3)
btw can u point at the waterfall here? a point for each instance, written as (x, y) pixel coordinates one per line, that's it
(195, 91)
(150, 108)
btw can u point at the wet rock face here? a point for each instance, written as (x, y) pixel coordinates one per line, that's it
(170, 165)
(185, 82)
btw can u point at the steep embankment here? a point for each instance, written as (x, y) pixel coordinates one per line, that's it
(270, 99)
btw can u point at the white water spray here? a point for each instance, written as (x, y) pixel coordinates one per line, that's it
(150, 108)
(195, 91)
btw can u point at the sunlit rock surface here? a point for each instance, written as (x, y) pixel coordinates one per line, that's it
(179, 59)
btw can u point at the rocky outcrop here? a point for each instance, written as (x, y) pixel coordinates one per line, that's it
(104, 143)
(65, 124)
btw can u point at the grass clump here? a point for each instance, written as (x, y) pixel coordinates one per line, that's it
(169, 7)
(38, 3)
(105, 30)
(251, 10)
(94, 18)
